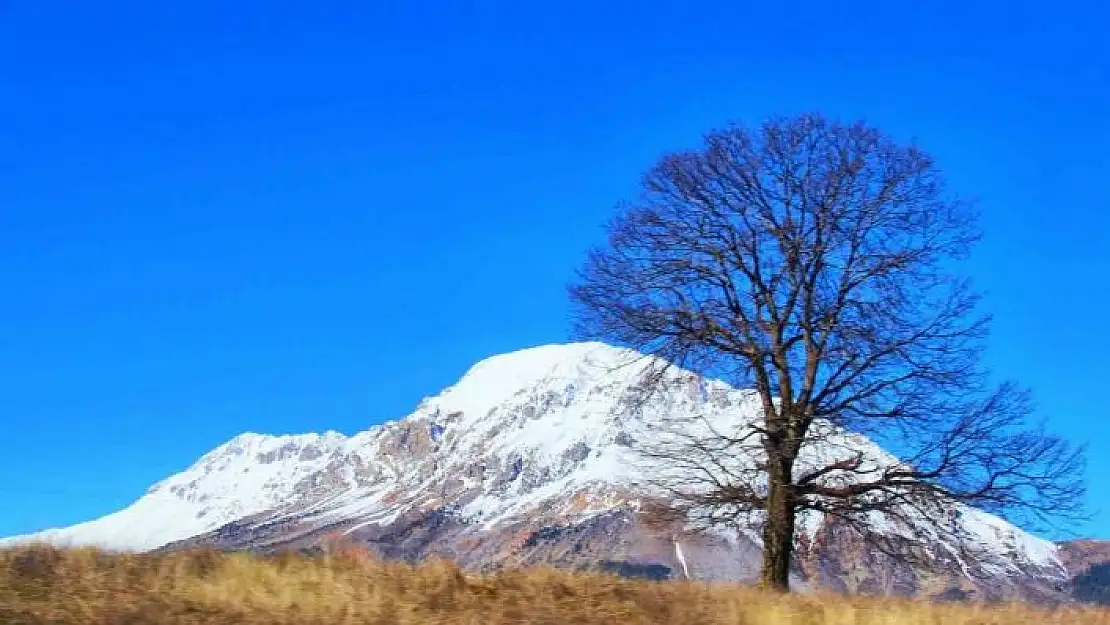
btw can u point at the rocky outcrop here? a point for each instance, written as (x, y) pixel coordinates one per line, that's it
(1088, 563)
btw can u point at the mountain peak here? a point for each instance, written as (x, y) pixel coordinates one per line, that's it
(557, 359)
(536, 437)
(499, 378)
(253, 442)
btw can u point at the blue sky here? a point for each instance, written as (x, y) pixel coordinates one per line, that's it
(291, 216)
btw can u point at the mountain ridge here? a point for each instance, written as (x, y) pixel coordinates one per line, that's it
(525, 459)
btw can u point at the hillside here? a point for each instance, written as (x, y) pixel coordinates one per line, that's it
(525, 461)
(66, 587)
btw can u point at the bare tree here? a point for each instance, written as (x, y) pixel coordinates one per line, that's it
(817, 263)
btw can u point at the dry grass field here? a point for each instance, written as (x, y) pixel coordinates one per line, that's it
(41, 585)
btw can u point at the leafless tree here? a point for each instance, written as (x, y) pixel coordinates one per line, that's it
(818, 264)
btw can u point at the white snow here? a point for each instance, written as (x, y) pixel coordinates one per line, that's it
(225, 485)
(681, 559)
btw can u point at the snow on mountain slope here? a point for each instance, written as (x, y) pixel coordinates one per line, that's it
(543, 432)
(249, 474)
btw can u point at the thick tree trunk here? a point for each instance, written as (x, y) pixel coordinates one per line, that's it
(778, 530)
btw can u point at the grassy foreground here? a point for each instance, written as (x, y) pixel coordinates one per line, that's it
(40, 585)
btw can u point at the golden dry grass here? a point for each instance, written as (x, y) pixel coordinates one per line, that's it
(40, 585)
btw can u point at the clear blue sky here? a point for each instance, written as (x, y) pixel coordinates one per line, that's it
(295, 216)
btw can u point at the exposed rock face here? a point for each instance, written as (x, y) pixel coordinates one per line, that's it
(1088, 562)
(527, 460)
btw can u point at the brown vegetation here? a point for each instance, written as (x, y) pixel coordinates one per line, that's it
(40, 585)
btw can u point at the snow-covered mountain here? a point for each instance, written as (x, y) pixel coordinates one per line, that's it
(525, 459)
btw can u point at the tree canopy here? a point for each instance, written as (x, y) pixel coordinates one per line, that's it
(820, 264)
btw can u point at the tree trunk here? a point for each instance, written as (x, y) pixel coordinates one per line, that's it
(778, 529)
